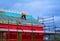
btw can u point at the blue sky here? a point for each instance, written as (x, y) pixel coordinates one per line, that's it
(41, 8)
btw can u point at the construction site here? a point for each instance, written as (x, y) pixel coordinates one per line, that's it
(17, 29)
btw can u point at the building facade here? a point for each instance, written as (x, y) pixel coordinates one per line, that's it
(12, 30)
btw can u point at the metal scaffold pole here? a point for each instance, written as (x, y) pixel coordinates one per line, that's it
(47, 23)
(17, 30)
(19, 34)
(32, 34)
(8, 31)
(54, 29)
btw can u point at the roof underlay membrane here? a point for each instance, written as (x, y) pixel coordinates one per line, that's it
(14, 17)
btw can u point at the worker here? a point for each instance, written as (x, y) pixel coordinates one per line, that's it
(23, 15)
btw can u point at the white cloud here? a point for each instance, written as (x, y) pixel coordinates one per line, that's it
(57, 20)
(16, 7)
(39, 8)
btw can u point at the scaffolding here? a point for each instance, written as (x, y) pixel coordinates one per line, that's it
(46, 22)
(18, 30)
(49, 22)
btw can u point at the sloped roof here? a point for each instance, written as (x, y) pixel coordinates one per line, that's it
(11, 17)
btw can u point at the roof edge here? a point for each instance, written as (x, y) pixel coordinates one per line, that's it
(10, 11)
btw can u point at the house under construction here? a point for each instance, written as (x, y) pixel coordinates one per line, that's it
(28, 30)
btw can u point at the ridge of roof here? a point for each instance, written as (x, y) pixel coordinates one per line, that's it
(10, 11)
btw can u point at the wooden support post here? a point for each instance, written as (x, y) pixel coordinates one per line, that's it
(32, 37)
(19, 36)
(4, 36)
(1, 36)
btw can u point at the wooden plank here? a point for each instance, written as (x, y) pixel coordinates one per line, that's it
(2, 36)
(19, 36)
(32, 37)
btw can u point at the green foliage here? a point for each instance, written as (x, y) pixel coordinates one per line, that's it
(57, 38)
